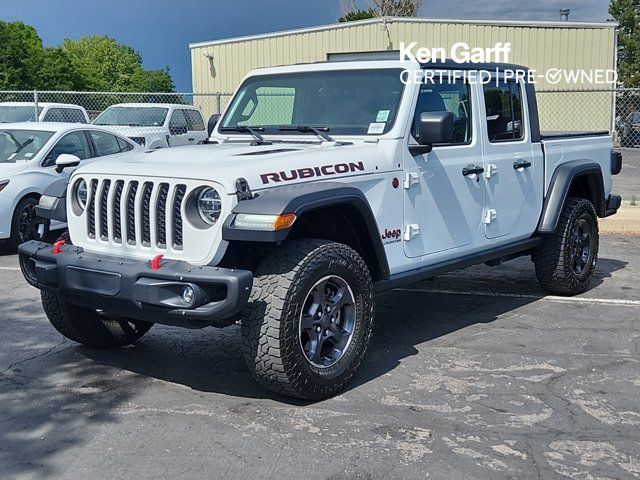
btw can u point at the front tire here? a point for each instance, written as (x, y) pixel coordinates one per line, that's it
(89, 327)
(26, 225)
(308, 323)
(565, 262)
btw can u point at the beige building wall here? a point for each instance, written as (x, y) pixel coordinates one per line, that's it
(219, 66)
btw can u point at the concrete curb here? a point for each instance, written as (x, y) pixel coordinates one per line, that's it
(627, 221)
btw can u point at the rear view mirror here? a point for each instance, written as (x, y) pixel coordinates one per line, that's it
(434, 128)
(65, 161)
(213, 121)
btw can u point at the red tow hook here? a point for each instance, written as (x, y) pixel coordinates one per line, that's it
(155, 262)
(57, 246)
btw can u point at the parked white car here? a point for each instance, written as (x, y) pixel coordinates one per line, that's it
(28, 154)
(11, 112)
(155, 125)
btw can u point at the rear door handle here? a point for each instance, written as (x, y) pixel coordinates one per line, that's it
(472, 169)
(518, 164)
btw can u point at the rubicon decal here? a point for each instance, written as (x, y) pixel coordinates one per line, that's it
(311, 172)
(391, 236)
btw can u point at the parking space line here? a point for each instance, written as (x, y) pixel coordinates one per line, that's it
(10, 269)
(553, 298)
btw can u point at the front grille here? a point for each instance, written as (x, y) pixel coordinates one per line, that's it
(137, 213)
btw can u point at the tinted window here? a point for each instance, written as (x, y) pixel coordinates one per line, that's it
(10, 113)
(133, 116)
(73, 115)
(105, 143)
(503, 104)
(74, 143)
(124, 145)
(447, 97)
(55, 115)
(178, 119)
(196, 123)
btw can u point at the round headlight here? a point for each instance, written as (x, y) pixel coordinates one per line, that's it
(81, 194)
(209, 205)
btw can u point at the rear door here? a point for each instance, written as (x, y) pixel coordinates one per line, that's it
(512, 170)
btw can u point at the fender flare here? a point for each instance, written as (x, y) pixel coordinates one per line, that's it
(561, 182)
(58, 210)
(300, 199)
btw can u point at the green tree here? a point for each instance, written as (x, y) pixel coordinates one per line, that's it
(627, 14)
(105, 65)
(57, 72)
(356, 15)
(20, 56)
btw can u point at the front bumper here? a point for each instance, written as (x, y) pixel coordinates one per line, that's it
(131, 288)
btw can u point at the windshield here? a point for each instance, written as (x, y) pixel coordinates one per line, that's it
(25, 113)
(21, 144)
(347, 102)
(133, 116)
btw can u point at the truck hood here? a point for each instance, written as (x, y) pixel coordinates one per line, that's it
(262, 166)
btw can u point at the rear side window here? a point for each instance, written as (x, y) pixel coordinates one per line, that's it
(107, 144)
(196, 123)
(54, 115)
(503, 103)
(73, 115)
(70, 115)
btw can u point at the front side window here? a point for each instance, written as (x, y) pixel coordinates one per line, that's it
(347, 102)
(503, 104)
(55, 115)
(133, 116)
(21, 144)
(74, 143)
(454, 97)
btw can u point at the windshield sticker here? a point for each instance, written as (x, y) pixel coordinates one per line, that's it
(376, 128)
(383, 116)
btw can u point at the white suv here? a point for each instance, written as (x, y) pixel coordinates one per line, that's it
(11, 112)
(155, 125)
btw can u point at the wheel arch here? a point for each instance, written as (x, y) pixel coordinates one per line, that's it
(572, 179)
(325, 210)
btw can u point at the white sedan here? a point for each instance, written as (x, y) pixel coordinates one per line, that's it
(28, 154)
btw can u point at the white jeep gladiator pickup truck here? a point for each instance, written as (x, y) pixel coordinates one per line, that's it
(325, 184)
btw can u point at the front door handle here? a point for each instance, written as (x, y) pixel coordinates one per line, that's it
(518, 164)
(472, 169)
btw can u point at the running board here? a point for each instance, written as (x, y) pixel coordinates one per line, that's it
(508, 252)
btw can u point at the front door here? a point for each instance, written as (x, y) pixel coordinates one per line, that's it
(512, 171)
(444, 198)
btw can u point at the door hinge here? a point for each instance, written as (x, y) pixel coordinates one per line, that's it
(411, 231)
(491, 170)
(490, 215)
(410, 179)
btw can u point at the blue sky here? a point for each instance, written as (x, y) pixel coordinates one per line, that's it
(161, 29)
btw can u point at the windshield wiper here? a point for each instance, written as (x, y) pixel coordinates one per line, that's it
(319, 131)
(251, 130)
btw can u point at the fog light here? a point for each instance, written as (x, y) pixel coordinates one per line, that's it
(188, 295)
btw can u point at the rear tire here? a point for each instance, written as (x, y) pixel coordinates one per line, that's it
(90, 328)
(565, 262)
(308, 323)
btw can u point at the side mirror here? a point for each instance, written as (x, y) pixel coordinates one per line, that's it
(65, 161)
(178, 130)
(434, 128)
(213, 121)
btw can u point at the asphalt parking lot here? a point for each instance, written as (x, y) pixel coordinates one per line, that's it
(475, 375)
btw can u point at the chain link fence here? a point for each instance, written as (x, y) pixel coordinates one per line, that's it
(617, 111)
(29, 106)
